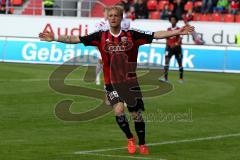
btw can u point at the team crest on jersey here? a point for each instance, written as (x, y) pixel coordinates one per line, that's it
(124, 39)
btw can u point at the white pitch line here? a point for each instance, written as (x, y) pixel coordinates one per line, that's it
(118, 156)
(196, 139)
(99, 150)
(163, 143)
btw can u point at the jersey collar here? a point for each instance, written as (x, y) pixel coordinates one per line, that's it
(115, 35)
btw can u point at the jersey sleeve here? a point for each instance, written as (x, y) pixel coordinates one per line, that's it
(142, 37)
(91, 39)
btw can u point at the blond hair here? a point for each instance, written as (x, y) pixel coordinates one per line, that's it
(105, 9)
(117, 8)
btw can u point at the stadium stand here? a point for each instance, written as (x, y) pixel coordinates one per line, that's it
(188, 5)
(237, 18)
(6, 6)
(204, 17)
(94, 8)
(152, 5)
(197, 6)
(97, 9)
(154, 15)
(228, 18)
(34, 7)
(216, 17)
(195, 16)
(161, 4)
(17, 2)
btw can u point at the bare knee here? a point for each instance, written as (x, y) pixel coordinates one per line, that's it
(118, 108)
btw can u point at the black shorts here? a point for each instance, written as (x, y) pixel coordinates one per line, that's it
(114, 98)
(176, 51)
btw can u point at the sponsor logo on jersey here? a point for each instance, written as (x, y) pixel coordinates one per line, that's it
(123, 46)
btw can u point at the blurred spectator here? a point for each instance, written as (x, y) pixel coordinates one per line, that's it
(1, 7)
(141, 11)
(48, 7)
(166, 12)
(222, 6)
(178, 8)
(234, 7)
(126, 4)
(214, 4)
(206, 6)
(5, 6)
(131, 13)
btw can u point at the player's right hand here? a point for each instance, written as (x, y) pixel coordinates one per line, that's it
(46, 36)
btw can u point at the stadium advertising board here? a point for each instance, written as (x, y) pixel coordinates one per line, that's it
(35, 51)
(198, 58)
(223, 34)
(2, 48)
(195, 58)
(232, 59)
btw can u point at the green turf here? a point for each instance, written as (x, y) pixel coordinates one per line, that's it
(29, 129)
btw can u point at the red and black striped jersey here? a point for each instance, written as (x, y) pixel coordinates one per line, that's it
(175, 40)
(115, 49)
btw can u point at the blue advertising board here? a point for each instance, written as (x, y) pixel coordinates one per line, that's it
(50, 53)
(195, 58)
(232, 59)
(2, 44)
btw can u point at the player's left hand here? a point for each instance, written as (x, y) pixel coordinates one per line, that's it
(187, 29)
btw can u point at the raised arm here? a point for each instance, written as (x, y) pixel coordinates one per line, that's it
(47, 36)
(187, 29)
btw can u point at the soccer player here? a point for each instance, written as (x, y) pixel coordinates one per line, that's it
(173, 47)
(111, 43)
(104, 25)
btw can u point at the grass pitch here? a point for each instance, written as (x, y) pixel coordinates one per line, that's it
(29, 130)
